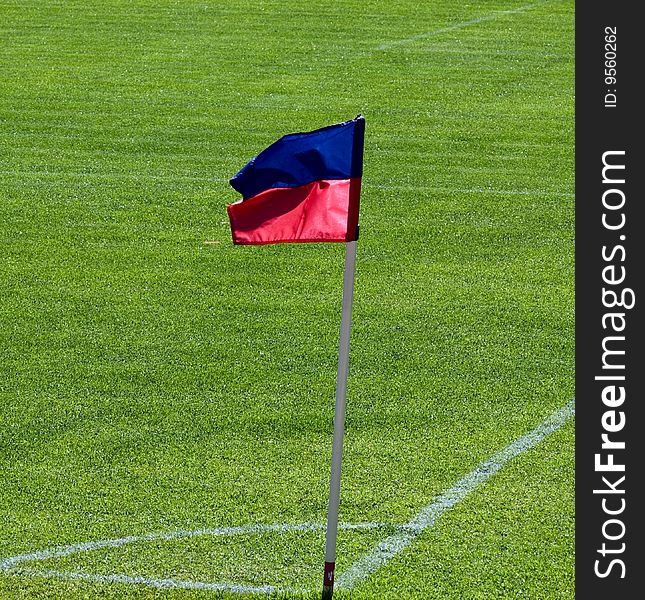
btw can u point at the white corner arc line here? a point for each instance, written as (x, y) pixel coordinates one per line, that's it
(489, 17)
(12, 565)
(157, 583)
(392, 545)
(61, 551)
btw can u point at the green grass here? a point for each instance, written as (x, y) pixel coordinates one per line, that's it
(150, 382)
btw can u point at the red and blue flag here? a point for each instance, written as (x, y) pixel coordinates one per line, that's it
(303, 188)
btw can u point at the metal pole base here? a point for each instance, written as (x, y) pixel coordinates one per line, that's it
(328, 581)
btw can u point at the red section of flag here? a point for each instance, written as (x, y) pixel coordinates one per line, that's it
(321, 211)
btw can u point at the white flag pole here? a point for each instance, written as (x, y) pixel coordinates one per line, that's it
(339, 420)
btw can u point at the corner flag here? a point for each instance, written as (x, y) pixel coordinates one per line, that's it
(303, 188)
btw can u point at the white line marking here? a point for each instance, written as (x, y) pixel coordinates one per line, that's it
(60, 551)
(158, 583)
(127, 176)
(448, 190)
(9, 564)
(133, 177)
(387, 549)
(482, 19)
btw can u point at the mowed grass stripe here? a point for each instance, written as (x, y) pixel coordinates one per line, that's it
(474, 21)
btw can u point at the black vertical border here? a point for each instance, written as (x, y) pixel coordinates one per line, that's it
(600, 129)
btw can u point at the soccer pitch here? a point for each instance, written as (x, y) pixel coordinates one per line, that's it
(166, 398)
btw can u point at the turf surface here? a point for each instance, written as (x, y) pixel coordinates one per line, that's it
(151, 382)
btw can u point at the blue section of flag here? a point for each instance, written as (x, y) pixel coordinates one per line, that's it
(297, 159)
